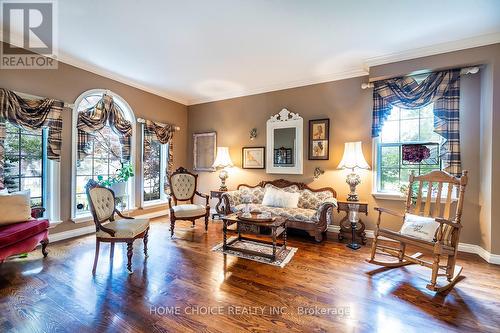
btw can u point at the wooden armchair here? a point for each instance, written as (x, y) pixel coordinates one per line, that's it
(446, 238)
(183, 187)
(127, 229)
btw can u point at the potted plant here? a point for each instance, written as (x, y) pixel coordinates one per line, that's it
(118, 183)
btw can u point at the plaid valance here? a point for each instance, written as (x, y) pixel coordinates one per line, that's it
(31, 115)
(442, 89)
(95, 118)
(164, 134)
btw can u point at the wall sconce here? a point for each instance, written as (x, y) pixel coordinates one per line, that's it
(253, 134)
(318, 172)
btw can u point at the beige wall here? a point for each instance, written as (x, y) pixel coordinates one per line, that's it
(349, 109)
(66, 84)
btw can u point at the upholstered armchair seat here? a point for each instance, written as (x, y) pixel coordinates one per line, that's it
(124, 228)
(189, 210)
(183, 189)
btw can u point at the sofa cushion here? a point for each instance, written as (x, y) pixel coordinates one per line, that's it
(13, 233)
(291, 188)
(189, 210)
(276, 197)
(312, 200)
(19, 208)
(125, 228)
(256, 194)
(295, 214)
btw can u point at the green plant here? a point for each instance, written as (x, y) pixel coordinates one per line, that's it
(122, 175)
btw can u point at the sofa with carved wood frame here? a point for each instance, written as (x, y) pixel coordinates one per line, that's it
(313, 213)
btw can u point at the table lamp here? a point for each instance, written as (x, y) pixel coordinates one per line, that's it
(353, 158)
(222, 161)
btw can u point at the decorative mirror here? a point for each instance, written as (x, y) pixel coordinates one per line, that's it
(205, 146)
(284, 143)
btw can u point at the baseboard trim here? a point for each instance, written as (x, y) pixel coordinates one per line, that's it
(59, 236)
(462, 247)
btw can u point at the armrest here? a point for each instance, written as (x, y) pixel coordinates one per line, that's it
(388, 211)
(325, 218)
(442, 221)
(123, 216)
(203, 195)
(231, 198)
(327, 203)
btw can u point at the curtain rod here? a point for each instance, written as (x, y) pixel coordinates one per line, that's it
(143, 121)
(29, 96)
(463, 71)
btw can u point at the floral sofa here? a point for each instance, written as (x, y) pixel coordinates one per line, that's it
(313, 213)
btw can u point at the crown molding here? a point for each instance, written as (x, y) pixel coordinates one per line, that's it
(356, 72)
(426, 51)
(116, 77)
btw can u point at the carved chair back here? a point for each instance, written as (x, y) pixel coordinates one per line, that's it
(183, 185)
(282, 183)
(102, 203)
(443, 185)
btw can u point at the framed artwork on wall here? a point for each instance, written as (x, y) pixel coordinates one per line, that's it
(253, 158)
(204, 150)
(319, 139)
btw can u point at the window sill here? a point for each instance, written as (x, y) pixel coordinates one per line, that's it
(398, 197)
(54, 223)
(388, 196)
(154, 204)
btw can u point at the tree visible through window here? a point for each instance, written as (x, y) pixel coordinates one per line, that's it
(103, 157)
(26, 161)
(403, 127)
(154, 162)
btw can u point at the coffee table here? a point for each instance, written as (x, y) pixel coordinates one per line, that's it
(277, 226)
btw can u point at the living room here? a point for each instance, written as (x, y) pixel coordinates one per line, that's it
(249, 166)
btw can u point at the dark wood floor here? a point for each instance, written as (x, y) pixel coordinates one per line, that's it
(184, 277)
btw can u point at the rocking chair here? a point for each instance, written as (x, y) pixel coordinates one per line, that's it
(446, 238)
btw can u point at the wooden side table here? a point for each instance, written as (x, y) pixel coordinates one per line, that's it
(219, 209)
(351, 223)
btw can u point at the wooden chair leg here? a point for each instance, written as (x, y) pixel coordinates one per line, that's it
(96, 257)
(172, 226)
(402, 248)
(450, 267)
(435, 270)
(111, 251)
(374, 246)
(192, 224)
(129, 256)
(44, 243)
(145, 240)
(206, 222)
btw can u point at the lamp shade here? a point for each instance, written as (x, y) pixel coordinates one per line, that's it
(223, 159)
(353, 157)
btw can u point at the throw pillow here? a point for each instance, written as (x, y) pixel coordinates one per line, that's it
(278, 198)
(419, 227)
(19, 208)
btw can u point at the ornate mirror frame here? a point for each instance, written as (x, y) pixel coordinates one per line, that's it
(285, 119)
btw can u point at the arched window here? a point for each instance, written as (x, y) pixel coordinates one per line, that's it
(103, 156)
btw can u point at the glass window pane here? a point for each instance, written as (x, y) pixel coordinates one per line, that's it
(31, 145)
(390, 156)
(409, 130)
(11, 167)
(389, 180)
(82, 205)
(394, 114)
(427, 112)
(36, 202)
(32, 184)
(405, 174)
(390, 131)
(81, 181)
(84, 167)
(409, 114)
(101, 167)
(31, 167)
(427, 129)
(12, 183)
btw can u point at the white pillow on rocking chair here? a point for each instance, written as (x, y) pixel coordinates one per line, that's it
(419, 227)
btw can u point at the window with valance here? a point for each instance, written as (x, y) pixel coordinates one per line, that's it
(103, 143)
(416, 127)
(30, 147)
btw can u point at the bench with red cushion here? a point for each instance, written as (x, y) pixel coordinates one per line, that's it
(19, 238)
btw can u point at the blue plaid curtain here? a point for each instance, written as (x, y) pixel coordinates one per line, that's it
(440, 88)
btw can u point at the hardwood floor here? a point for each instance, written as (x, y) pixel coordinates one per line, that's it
(172, 290)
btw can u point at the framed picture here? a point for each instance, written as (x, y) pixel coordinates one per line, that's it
(253, 158)
(319, 139)
(204, 150)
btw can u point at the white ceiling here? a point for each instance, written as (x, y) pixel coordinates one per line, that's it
(194, 51)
